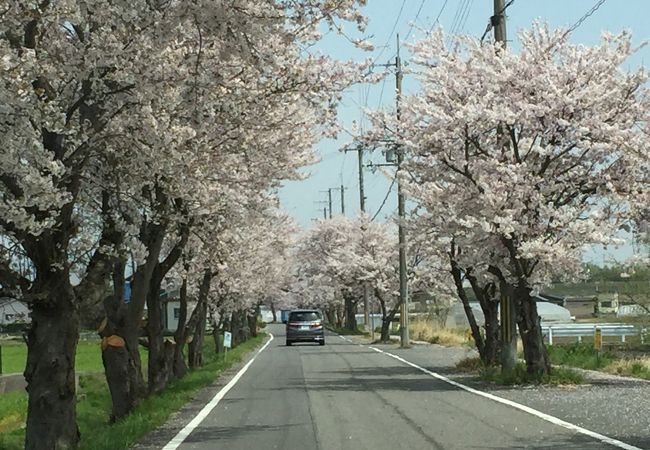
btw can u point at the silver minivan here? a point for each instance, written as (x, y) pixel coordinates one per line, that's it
(305, 325)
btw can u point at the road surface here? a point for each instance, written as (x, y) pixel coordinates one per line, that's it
(347, 396)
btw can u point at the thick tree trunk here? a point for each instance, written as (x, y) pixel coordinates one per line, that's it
(179, 367)
(350, 312)
(158, 369)
(275, 317)
(330, 316)
(527, 317)
(239, 328)
(161, 351)
(340, 316)
(252, 321)
(195, 348)
(530, 331)
(492, 336)
(387, 316)
(120, 369)
(50, 371)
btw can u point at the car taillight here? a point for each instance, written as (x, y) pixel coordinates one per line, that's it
(294, 325)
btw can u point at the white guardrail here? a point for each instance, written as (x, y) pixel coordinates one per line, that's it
(580, 330)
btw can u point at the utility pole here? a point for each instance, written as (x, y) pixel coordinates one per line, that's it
(325, 213)
(507, 303)
(362, 207)
(329, 199)
(341, 189)
(401, 200)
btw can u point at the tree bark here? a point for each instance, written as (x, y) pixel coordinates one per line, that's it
(528, 320)
(195, 348)
(252, 321)
(350, 311)
(126, 321)
(161, 351)
(198, 322)
(50, 371)
(530, 330)
(275, 317)
(387, 315)
(460, 290)
(486, 296)
(179, 367)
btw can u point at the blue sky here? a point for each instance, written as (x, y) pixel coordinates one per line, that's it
(389, 17)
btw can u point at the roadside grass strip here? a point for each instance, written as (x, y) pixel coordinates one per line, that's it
(207, 409)
(94, 403)
(526, 409)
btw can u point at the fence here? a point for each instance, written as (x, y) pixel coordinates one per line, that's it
(580, 330)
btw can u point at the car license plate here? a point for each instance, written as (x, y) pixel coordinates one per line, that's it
(304, 327)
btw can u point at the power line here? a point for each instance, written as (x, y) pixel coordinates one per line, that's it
(439, 14)
(417, 15)
(588, 14)
(490, 24)
(390, 189)
(399, 14)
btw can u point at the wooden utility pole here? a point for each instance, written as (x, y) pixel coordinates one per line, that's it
(342, 200)
(401, 202)
(329, 200)
(362, 207)
(507, 305)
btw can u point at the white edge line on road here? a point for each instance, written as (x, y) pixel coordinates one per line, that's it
(534, 412)
(207, 409)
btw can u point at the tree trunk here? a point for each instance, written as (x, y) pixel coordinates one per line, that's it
(530, 331)
(350, 312)
(460, 290)
(119, 367)
(161, 351)
(275, 317)
(124, 320)
(527, 317)
(179, 367)
(239, 328)
(252, 321)
(387, 316)
(486, 296)
(50, 371)
(195, 348)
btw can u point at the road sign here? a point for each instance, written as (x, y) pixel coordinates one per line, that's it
(598, 339)
(227, 339)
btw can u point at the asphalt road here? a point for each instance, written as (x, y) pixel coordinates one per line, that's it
(347, 396)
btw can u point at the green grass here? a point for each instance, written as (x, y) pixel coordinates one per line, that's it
(347, 331)
(88, 358)
(519, 376)
(93, 405)
(580, 355)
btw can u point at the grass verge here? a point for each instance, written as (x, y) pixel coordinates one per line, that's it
(94, 404)
(346, 331)
(426, 330)
(88, 357)
(518, 376)
(616, 362)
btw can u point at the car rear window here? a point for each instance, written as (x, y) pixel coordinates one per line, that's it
(304, 316)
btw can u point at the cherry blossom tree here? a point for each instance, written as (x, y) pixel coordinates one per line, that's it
(133, 115)
(528, 156)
